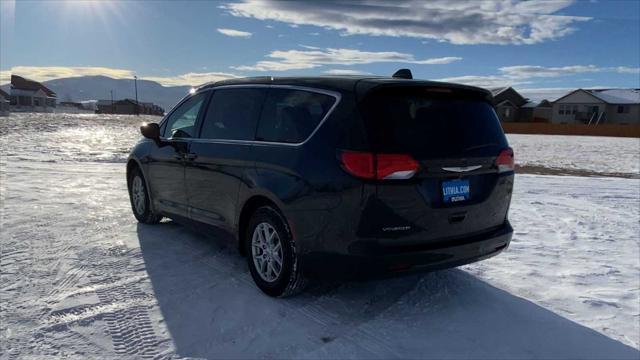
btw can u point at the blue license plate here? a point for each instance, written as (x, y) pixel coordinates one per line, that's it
(455, 190)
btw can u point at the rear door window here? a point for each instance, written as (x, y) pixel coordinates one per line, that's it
(290, 116)
(233, 114)
(431, 125)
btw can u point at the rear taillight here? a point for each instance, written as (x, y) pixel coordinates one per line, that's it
(359, 164)
(379, 166)
(505, 161)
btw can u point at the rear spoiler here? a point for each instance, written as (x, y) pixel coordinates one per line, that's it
(365, 86)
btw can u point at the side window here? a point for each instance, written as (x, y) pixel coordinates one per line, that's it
(233, 114)
(181, 122)
(291, 115)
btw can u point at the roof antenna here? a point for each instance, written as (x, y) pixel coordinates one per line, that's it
(403, 74)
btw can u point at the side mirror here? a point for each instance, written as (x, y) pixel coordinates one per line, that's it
(151, 131)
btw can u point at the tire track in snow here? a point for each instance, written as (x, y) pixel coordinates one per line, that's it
(71, 277)
(129, 324)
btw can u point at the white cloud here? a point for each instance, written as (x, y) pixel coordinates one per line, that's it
(437, 61)
(627, 70)
(457, 22)
(346, 72)
(45, 73)
(523, 74)
(314, 57)
(193, 79)
(5, 76)
(527, 71)
(485, 81)
(235, 33)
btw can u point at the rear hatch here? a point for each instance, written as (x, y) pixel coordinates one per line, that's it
(445, 169)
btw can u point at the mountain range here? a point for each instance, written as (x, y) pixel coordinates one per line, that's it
(99, 87)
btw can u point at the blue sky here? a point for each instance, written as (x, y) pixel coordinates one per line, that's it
(542, 48)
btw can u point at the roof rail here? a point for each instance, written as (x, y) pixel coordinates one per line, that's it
(403, 74)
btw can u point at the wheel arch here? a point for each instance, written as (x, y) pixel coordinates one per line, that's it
(134, 163)
(248, 208)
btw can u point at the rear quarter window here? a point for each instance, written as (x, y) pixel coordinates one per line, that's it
(290, 116)
(431, 125)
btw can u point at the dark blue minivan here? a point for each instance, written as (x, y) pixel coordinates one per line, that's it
(332, 175)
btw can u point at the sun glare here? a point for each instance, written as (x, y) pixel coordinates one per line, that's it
(90, 9)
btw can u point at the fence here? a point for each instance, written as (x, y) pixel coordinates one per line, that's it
(572, 129)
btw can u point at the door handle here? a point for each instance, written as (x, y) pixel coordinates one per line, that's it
(184, 156)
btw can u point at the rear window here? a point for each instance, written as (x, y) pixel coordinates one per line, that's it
(430, 125)
(290, 116)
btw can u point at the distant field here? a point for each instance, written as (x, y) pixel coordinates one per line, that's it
(108, 138)
(617, 130)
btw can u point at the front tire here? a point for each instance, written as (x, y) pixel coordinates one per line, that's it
(139, 197)
(271, 254)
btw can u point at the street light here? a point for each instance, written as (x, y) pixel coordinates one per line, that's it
(135, 84)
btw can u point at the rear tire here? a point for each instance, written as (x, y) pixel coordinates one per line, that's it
(139, 197)
(271, 254)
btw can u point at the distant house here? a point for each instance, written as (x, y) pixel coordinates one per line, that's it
(535, 112)
(4, 103)
(29, 95)
(70, 104)
(508, 103)
(151, 109)
(128, 107)
(603, 106)
(105, 107)
(74, 107)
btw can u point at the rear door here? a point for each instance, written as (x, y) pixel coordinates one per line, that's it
(455, 136)
(222, 155)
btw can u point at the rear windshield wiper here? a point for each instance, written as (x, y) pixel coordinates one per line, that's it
(480, 146)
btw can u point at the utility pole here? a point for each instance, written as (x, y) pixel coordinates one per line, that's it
(111, 91)
(135, 84)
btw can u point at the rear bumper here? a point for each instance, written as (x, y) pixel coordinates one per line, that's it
(371, 258)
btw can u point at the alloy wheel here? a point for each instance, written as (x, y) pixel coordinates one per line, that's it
(138, 194)
(266, 251)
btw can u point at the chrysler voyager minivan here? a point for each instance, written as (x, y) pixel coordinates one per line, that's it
(332, 175)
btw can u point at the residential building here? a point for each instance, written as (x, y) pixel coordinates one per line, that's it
(535, 112)
(601, 106)
(4, 103)
(128, 107)
(105, 107)
(508, 102)
(71, 107)
(29, 95)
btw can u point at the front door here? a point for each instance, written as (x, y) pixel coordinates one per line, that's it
(166, 165)
(223, 154)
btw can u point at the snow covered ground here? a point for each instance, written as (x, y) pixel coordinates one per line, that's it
(79, 277)
(588, 155)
